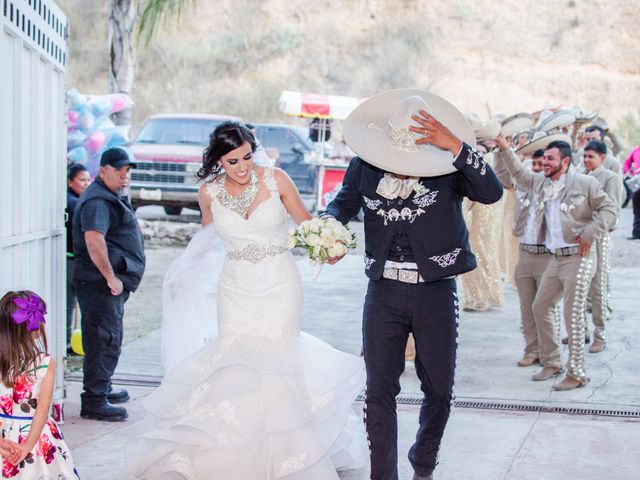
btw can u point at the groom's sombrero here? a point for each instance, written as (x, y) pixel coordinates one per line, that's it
(377, 130)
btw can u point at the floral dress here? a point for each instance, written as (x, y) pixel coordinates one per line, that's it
(50, 458)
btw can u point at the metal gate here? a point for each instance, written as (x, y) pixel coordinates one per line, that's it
(33, 57)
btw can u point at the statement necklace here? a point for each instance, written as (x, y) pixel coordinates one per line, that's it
(242, 202)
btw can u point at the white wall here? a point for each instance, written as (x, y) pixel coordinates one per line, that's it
(33, 55)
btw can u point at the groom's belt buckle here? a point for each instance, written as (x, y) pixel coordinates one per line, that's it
(404, 276)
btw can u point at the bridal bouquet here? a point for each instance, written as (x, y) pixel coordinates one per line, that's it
(322, 238)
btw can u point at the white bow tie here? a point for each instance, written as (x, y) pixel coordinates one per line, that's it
(392, 187)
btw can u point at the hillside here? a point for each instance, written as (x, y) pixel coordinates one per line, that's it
(236, 56)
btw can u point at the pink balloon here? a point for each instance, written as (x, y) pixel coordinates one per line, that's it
(118, 104)
(95, 141)
(72, 115)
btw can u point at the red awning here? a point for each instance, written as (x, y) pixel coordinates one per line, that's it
(313, 105)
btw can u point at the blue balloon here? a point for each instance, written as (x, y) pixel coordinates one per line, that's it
(77, 155)
(100, 106)
(75, 138)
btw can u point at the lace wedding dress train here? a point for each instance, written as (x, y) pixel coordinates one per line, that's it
(263, 400)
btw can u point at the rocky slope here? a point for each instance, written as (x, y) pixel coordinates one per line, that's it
(236, 56)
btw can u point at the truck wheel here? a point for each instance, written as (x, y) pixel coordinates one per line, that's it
(172, 210)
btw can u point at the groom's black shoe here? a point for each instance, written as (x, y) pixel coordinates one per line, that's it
(421, 477)
(105, 413)
(118, 396)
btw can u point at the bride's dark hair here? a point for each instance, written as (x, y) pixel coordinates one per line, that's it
(224, 139)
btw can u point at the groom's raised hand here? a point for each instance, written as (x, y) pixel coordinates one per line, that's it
(435, 133)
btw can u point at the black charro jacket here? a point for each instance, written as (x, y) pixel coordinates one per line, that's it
(434, 224)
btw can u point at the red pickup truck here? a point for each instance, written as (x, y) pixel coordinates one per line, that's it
(168, 150)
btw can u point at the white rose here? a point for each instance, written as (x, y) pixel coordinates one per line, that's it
(316, 224)
(316, 251)
(292, 242)
(338, 250)
(305, 226)
(313, 239)
(328, 241)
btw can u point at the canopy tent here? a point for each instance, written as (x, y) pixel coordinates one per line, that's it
(314, 105)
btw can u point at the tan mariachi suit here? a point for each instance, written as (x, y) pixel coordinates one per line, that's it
(585, 210)
(599, 291)
(533, 258)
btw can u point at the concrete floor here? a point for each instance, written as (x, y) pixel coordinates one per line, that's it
(479, 443)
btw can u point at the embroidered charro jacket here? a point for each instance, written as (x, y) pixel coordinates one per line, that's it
(431, 215)
(611, 184)
(585, 209)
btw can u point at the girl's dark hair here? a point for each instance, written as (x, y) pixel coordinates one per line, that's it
(19, 347)
(225, 138)
(74, 169)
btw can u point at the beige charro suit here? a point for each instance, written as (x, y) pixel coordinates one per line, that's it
(530, 266)
(599, 291)
(585, 212)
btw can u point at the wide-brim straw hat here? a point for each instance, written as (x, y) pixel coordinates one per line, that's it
(516, 123)
(377, 131)
(561, 119)
(483, 130)
(583, 116)
(541, 139)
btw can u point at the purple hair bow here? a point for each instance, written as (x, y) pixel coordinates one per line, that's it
(30, 310)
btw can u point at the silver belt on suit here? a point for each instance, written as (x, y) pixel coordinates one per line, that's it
(565, 251)
(536, 249)
(404, 276)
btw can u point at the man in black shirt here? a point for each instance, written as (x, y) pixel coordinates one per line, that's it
(109, 264)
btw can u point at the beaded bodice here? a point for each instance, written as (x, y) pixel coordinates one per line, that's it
(263, 233)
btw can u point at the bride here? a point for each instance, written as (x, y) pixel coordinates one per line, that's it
(262, 400)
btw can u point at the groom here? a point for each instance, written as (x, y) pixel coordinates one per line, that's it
(410, 177)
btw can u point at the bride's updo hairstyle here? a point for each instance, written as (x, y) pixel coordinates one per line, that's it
(225, 138)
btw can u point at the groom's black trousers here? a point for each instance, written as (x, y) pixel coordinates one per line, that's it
(393, 309)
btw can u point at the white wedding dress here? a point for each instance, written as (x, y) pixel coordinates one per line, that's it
(263, 400)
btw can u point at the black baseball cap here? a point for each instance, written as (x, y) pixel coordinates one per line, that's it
(117, 157)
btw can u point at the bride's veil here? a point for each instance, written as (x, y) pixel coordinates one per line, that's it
(189, 317)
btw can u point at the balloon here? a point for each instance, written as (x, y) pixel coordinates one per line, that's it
(73, 115)
(75, 99)
(86, 120)
(104, 123)
(117, 136)
(76, 342)
(100, 105)
(75, 138)
(95, 141)
(93, 163)
(119, 102)
(77, 154)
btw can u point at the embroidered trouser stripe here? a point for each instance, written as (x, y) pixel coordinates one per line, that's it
(600, 287)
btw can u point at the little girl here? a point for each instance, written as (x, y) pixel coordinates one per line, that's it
(31, 441)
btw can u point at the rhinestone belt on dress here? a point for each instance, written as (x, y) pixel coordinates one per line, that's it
(255, 253)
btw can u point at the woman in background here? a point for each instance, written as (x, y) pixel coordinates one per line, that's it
(77, 181)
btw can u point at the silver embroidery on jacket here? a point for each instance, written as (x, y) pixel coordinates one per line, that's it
(394, 215)
(447, 259)
(368, 262)
(426, 200)
(476, 161)
(372, 204)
